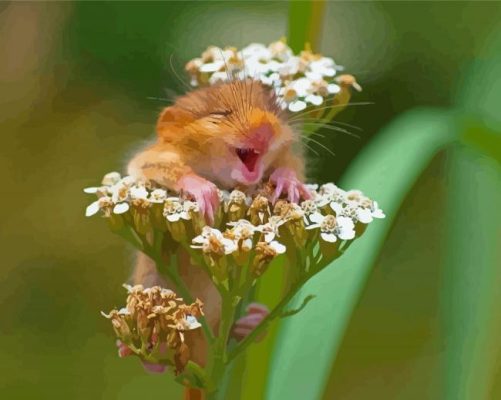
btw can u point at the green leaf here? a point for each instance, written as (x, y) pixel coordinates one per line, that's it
(385, 170)
(480, 90)
(294, 311)
(472, 276)
(305, 23)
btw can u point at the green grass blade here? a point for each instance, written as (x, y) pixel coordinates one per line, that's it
(472, 277)
(305, 24)
(386, 170)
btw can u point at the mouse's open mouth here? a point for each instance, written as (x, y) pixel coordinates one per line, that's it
(249, 157)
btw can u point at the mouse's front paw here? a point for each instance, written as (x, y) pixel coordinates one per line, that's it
(244, 326)
(124, 351)
(285, 181)
(203, 192)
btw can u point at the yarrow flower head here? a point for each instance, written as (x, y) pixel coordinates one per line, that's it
(302, 80)
(153, 324)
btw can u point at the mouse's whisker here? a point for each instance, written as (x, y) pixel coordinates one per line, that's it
(177, 76)
(329, 127)
(316, 109)
(310, 139)
(333, 122)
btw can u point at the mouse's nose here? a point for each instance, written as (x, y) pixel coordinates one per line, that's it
(260, 136)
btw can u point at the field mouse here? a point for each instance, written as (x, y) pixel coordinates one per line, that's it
(233, 134)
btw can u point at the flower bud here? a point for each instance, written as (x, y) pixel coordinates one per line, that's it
(259, 211)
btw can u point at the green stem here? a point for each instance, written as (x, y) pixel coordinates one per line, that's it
(217, 362)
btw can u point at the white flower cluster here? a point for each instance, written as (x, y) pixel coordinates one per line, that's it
(244, 221)
(299, 81)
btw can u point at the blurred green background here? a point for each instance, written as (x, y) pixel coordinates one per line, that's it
(80, 87)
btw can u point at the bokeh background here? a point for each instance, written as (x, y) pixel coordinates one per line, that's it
(80, 87)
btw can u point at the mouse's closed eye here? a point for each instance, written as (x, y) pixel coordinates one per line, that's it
(222, 113)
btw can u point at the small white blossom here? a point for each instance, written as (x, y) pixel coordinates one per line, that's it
(211, 240)
(333, 227)
(310, 209)
(111, 179)
(279, 248)
(192, 322)
(174, 210)
(270, 229)
(353, 211)
(158, 196)
(138, 192)
(243, 231)
(191, 206)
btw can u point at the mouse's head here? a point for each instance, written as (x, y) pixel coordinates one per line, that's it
(239, 126)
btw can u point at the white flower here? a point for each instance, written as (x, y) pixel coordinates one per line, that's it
(158, 196)
(239, 197)
(271, 80)
(330, 194)
(211, 240)
(279, 248)
(324, 66)
(192, 322)
(103, 203)
(357, 206)
(243, 232)
(353, 211)
(191, 206)
(302, 86)
(290, 67)
(256, 50)
(270, 229)
(119, 196)
(280, 50)
(111, 179)
(333, 227)
(174, 210)
(138, 192)
(310, 209)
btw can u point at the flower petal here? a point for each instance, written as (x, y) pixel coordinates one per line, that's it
(278, 247)
(120, 208)
(92, 209)
(364, 215)
(328, 237)
(317, 217)
(297, 105)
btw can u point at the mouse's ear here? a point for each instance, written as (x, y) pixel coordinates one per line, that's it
(171, 120)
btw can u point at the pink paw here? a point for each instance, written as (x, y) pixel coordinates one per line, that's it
(286, 182)
(255, 314)
(203, 192)
(124, 351)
